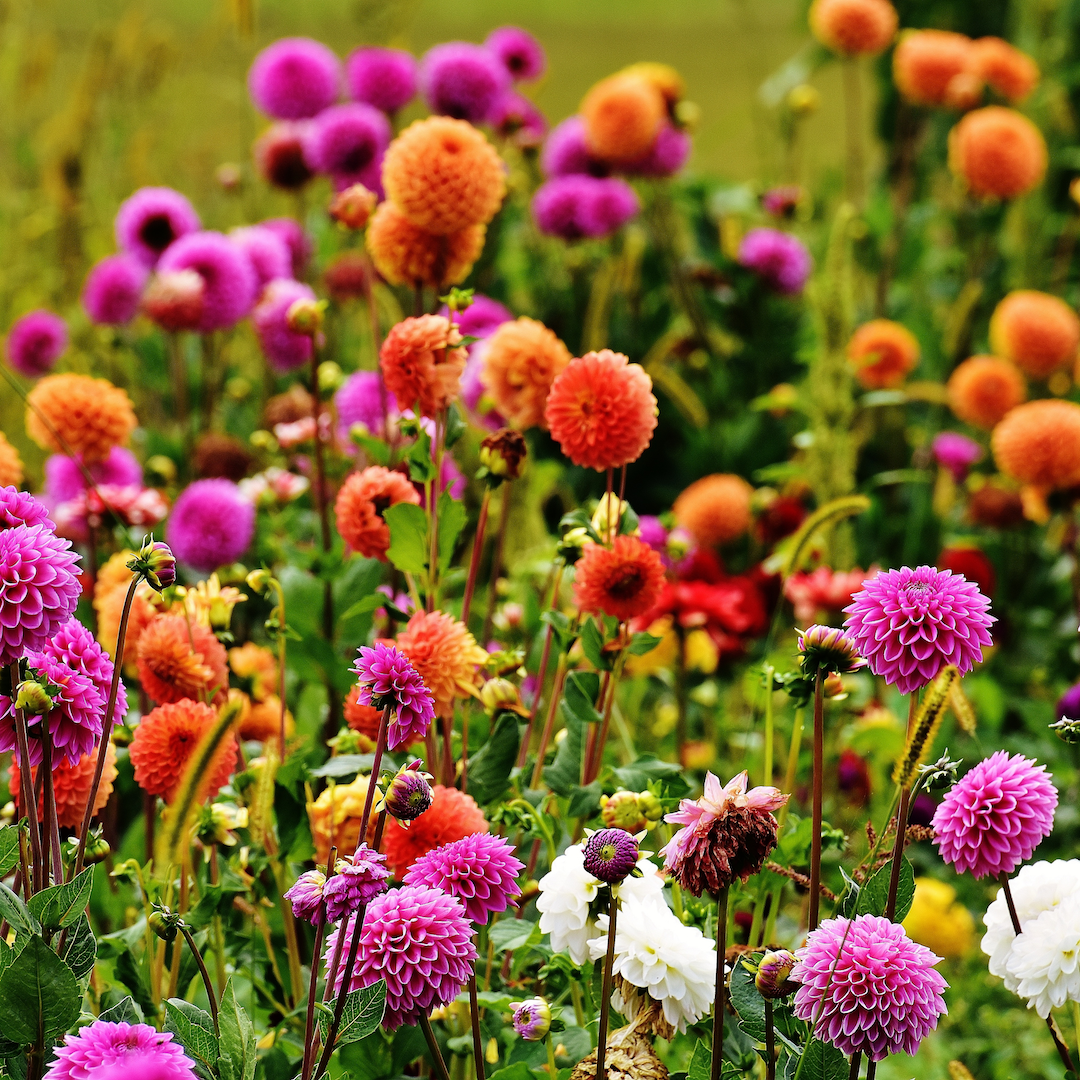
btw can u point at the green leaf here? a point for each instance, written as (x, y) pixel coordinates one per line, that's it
(585, 801)
(125, 1011)
(455, 425)
(452, 518)
(592, 644)
(421, 461)
(345, 765)
(408, 537)
(637, 775)
(564, 774)
(490, 766)
(700, 1064)
(14, 910)
(747, 1002)
(39, 997)
(62, 905)
(9, 848)
(822, 1062)
(376, 450)
(237, 1039)
(874, 894)
(362, 1014)
(510, 934)
(81, 951)
(582, 689)
(194, 1031)
(642, 643)
(518, 1071)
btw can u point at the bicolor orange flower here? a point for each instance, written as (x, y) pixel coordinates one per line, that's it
(178, 659)
(452, 815)
(1039, 444)
(622, 116)
(882, 353)
(715, 509)
(854, 27)
(521, 361)
(11, 466)
(260, 721)
(422, 363)
(406, 255)
(998, 153)
(444, 654)
(983, 389)
(927, 62)
(360, 505)
(1036, 331)
(623, 581)
(71, 786)
(79, 415)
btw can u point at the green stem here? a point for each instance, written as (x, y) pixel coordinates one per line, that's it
(207, 984)
(553, 1072)
(818, 780)
(433, 1046)
(721, 984)
(767, 768)
(605, 1000)
(474, 1016)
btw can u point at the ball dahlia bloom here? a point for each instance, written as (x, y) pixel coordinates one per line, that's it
(983, 389)
(446, 656)
(521, 360)
(406, 254)
(179, 659)
(151, 220)
(854, 27)
(998, 152)
(346, 143)
(229, 283)
(451, 816)
(577, 206)
(388, 680)
(715, 509)
(21, 508)
(909, 624)
(279, 156)
(882, 353)
(211, 524)
(566, 151)
(1008, 71)
(995, 817)
(516, 118)
(284, 348)
(778, 258)
(867, 987)
(35, 342)
(420, 942)
(462, 80)
(1038, 443)
(361, 400)
(520, 53)
(422, 363)
(90, 415)
(130, 1049)
(927, 63)
(623, 581)
(113, 290)
(267, 253)
(294, 78)
(385, 78)
(1038, 332)
(65, 480)
(356, 882)
(360, 505)
(622, 115)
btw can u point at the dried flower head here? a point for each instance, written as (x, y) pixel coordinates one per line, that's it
(502, 454)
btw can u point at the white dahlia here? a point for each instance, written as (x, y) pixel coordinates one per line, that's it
(1044, 962)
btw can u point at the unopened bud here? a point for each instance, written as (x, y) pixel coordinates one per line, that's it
(500, 695)
(622, 811)
(532, 1019)
(651, 807)
(305, 316)
(827, 649)
(1067, 730)
(503, 452)
(803, 100)
(259, 580)
(409, 794)
(353, 206)
(458, 299)
(608, 515)
(572, 544)
(97, 849)
(330, 376)
(611, 855)
(32, 699)
(156, 563)
(163, 923)
(772, 974)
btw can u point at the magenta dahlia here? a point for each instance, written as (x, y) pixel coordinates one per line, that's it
(294, 78)
(521, 54)
(778, 258)
(65, 478)
(113, 289)
(35, 342)
(356, 882)
(306, 895)
(385, 78)
(909, 624)
(867, 987)
(229, 283)
(610, 855)
(480, 870)
(125, 1048)
(462, 80)
(21, 508)
(996, 816)
(152, 219)
(347, 142)
(267, 253)
(211, 524)
(75, 646)
(388, 680)
(420, 942)
(296, 240)
(284, 348)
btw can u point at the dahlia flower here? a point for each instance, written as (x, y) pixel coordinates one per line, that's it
(422, 363)
(1043, 959)
(178, 659)
(867, 987)
(520, 53)
(610, 855)
(211, 524)
(714, 509)
(284, 348)
(854, 27)
(928, 65)
(347, 142)
(294, 78)
(305, 895)
(516, 118)
(909, 624)
(174, 300)
(983, 389)
(64, 478)
(1037, 332)
(957, 453)
(11, 466)
(882, 353)
(531, 1019)
(566, 151)
(445, 655)
(103, 1045)
(113, 290)
(1038, 443)
(828, 650)
(72, 644)
(777, 258)
(823, 589)
(623, 581)
(91, 416)
(405, 254)
(462, 80)
(71, 786)
(21, 508)
(356, 881)
(296, 240)
(151, 220)
(229, 283)
(409, 793)
(520, 361)
(577, 206)
(267, 253)
(35, 342)
(385, 78)
(360, 400)
(622, 116)
(452, 815)
(670, 152)
(420, 942)
(388, 680)
(998, 152)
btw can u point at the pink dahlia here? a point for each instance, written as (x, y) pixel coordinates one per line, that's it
(996, 816)
(38, 588)
(726, 834)
(480, 870)
(356, 882)
(268, 254)
(211, 524)
(107, 1049)
(75, 646)
(294, 78)
(388, 680)
(152, 219)
(909, 624)
(420, 942)
(306, 895)
(35, 342)
(284, 348)
(867, 987)
(114, 289)
(21, 508)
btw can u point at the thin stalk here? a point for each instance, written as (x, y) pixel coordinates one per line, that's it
(856, 1064)
(770, 1043)
(767, 765)
(901, 827)
(792, 762)
(51, 853)
(27, 796)
(541, 675)
(496, 561)
(376, 764)
(721, 984)
(433, 516)
(182, 399)
(605, 996)
(433, 1045)
(597, 758)
(855, 164)
(549, 722)
(1076, 1021)
(207, 983)
(815, 828)
(681, 699)
(553, 1072)
(477, 551)
(477, 1039)
(309, 1023)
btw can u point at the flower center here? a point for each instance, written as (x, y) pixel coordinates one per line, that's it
(626, 585)
(157, 232)
(607, 853)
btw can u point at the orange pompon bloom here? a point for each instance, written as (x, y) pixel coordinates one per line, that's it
(360, 505)
(363, 719)
(11, 466)
(1039, 444)
(256, 665)
(715, 509)
(335, 818)
(71, 786)
(667, 81)
(445, 654)
(623, 581)
(881, 353)
(998, 153)
(90, 416)
(622, 116)
(926, 62)
(1036, 331)
(421, 364)
(854, 27)
(164, 742)
(405, 254)
(521, 360)
(1003, 67)
(177, 659)
(601, 410)
(260, 721)
(983, 389)
(452, 816)
(444, 175)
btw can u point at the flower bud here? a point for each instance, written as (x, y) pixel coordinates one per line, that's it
(772, 974)
(502, 453)
(306, 896)
(651, 807)
(1074, 190)
(97, 849)
(353, 206)
(259, 580)
(828, 649)
(610, 855)
(33, 699)
(174, 299)
(409, 794)
(156, 563)
(608, 515)
(803, 100)
(1067, 730)
(500, 695)
(833, 687)
(330, 376)
(622, 811)
(164, 923)
(305, 316)
(532, 1019)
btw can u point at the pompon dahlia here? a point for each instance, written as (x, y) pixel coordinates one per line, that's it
(152, 219)
(164, 742)
(388, 680)
(284, 348)
(998, 152)
(623, 581)
(520, 362)
(983, 389)
(346, 143)
(601, 410)
(296, 239)
(130, 1049)
(71, 786)
(521, 54)
(211, 524)
(1038, 332)
(1038, 443)
(178, 659)
(854, 27)
(480, 870)
(90, 415)
(882, 353)
(35, 342)
(995, 817)
(778, 258)
(715, 509)
(422, 363)
(74, 645)
(385, 78)
(267, 253)
(294, 78)
(419, 941)
(1042, 960)
(21, 508)
(356, 881)
(867, 987)
(305, 895)
(577, 206)
(566, 152)
(11, 466)
(228, 279)
(360, 505)
(622, 115)
(361, 400)
(405, 254)
(1008, 71)
(445, 655)
(909, 624)
(956, 452)
(38, 588)
(444, 175)
(926, 62)
(452, 816)
(113, 290)
(462, 80)
(174, 299)
(278, 154)
(726, 834)
(516, 118)
(65, 478)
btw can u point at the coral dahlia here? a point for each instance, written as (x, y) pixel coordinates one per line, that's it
(388, 680)
(422, 363)
(180, 659)
(451, 816)
(521, 360)
(983, 389)
(361, 502)
(623, 581)
(445, 655)
(71, 786)
(714, 509)
(1038, 443)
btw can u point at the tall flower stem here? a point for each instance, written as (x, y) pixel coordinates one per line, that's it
(309, 1022)
(433, 516)
(855, 163)
(51, 854)
(720, 1003)
(496, 560)
(901, 827)
(207, 983)
(815, 828)
(477, 1039)
(605, 995)
(477, 551)
(27, 796)
(856, 1065)
(343, 993)
(792, 761)
(373, 780)
(541, 674)
(433, 1046)
(767, 763)
(549, 722)
(770, 1042)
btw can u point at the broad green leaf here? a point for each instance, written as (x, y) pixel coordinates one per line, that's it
(636, 775)
(874, 895)
(362, 1014)
(61, 905)
(81, 951)
(455, 424)
(581, 690)
(345, 765)
(518, 1071)
(376, 450)
(236, 1059)
(592, 644)
(585, 801)
(408, 537)
(9, 848)
(14, 911)
(490, 766)
(124, 1011)
(39, 997)
(452, 518)
(421, 461)
(822, 1062)
(700, 1064)
(642, 643)
(194, 1031)
(564, 774)
(747, 1002)
(510, 934)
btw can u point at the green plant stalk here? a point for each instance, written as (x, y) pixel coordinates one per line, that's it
(433, 1045)
(792, 763)
(818, 781)
(549, 722)
(27, 796)
(770, 1042)
(207, 984)
(433, 516)
(767, 764)
(553, 1072)
(719, 1003)
(901, 825)
(477, 1038)
(605, 994)
(282, 651)
(579, 1006)
(477, 551)
(541, 674)
(759, 913)
(309, 1022)
(51, 853)
(496, 560)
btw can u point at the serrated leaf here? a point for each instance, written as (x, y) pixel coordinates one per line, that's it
(61, 905)
(822, 1062)
(874, 895)
(39, 997)
(452, 518)
(408, 549)
(14, 911)
(490, 767)
(9, 848)
(362, 1014)
(236, 1043)
(125, 1011)
(747, 1002)
(81, 951)
(194, 1031)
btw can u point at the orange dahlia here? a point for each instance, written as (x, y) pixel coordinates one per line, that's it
(178, 659)
(521, 360)
(623, 581)
(360, 505)
(444, 175)
(715, 509)
(1039, 444)
(407, 255)
(854, 27)
(983, 389)
(11, 466)
(444, 654)
(71, 786)
(420, 363)
(90, 416)
(926, 62)
(453, 815)
(335, 818)
(622, 116)
(663, 77)
(881, 353)
(997, 152)
(1036, 331)
(1003, 67)
(601, 410)
(260, 721)
(164, 742)
(363, 719)
(257, 666)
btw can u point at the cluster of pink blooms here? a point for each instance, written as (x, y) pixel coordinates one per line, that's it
(823, 590)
